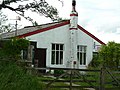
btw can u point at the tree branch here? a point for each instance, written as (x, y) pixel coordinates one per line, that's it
(40, 7)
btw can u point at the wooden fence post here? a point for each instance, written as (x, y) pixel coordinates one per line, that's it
(102, 79)
(71, 79)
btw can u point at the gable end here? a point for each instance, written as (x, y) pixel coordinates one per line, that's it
(91, 35)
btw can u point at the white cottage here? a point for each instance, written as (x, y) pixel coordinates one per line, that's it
(60, 44)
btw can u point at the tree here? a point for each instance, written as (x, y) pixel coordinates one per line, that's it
(110, 54)
(3, 18)
(38, 6)
(4, 27)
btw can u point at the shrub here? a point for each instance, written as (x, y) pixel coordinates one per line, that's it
(12, 48)
(58, 72)
(13, 77)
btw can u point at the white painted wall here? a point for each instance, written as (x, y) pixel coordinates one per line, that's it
(61, 35)
(84, 39)
(45, 39)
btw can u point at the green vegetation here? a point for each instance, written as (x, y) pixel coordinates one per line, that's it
(12, 48)
(13, 77)
(108, 56)
(13, 74)
(96, 61)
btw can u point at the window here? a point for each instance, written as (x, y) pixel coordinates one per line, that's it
(28, 53)
(57, 54)
(25, 54)
(94, 45)
(81, 54)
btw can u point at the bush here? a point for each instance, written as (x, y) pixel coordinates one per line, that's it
(110, 54)
(13, 77)
(12, 48)
(58, 72)
(96, 61)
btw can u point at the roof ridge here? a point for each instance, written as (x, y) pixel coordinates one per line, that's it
(48, 23)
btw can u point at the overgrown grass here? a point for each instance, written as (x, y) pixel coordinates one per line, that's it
(13, 77)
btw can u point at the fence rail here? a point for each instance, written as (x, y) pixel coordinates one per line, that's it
(74, 73)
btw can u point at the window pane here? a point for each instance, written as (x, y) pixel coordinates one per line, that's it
(80, 58)
(57, 54)
(53, 57)
(77, 48)
(81, 54)
(57, 57)
(53, 46)
(61, 57)
(61, 47)
(84, 62)
(81, 49)
(57, 46)
(84, 49)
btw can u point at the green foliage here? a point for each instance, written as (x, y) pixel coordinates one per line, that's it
(12, 48)
(13, 77)
(58, 72)
(110, 54)
(96, 61)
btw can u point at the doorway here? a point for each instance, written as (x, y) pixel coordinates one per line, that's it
(40, 55)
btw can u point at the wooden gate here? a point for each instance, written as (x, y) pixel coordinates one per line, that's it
(75, 78)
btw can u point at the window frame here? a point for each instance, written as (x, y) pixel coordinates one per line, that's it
(57, 49)
(82, 54)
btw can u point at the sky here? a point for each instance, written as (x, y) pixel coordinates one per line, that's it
(99, 17)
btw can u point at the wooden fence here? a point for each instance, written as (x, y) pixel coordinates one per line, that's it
(74, 77)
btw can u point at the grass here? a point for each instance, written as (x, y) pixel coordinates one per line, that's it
(96, 76)
(13, 77)
(55, 83)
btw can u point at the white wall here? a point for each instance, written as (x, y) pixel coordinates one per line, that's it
(61, 35)
(45, 39)
(84, 39)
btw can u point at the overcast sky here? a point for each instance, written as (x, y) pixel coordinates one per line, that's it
(99, 17)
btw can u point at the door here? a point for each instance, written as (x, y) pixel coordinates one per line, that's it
(40, 55)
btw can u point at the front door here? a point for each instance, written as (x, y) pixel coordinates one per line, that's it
(40, 55)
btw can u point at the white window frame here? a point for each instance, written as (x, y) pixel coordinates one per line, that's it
(60, 52)
(82, 51)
